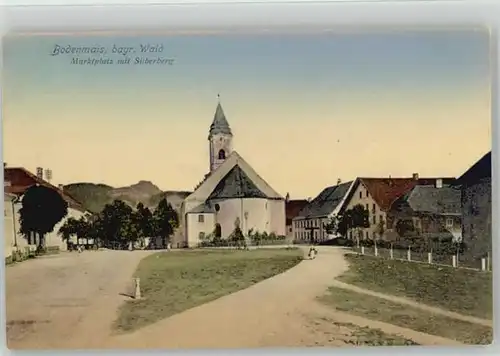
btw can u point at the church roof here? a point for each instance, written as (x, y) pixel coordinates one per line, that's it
(212, 185)
(220, 124)
(236, 184)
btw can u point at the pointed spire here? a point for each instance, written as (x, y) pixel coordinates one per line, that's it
(219, 124)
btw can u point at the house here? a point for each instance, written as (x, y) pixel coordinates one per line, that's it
(428, 212)
(231, 195)
(309, 224)
(12, 239)
(292, 210)
(17, 180)
(377, 195)
(476, 195)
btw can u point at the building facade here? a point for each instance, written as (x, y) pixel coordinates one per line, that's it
(293, 208)
(231, 195)
(17, 181)
(429, 212)
(376, 196)
(476, 196)
(309, 224)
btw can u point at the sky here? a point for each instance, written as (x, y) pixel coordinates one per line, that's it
(305, 110)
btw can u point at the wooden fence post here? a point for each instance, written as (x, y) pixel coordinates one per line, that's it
(483, 264)
(454, 261)
(376, 249)
(408, 254)
(488, 262)
(429, 257)
(362, 250)
(391, 253)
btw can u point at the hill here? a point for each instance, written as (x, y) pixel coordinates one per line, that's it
(95, 196)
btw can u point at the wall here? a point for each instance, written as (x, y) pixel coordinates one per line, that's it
(12, 226)
(302, 233)
(8, 232)
(362, 196)
(53, 238)
(425, 225)
(476, 219)
(195, 227)
(263, 215)
(278, 217)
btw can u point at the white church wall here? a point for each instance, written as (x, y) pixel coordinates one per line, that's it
(197, 224)
(278, 217)
(257, 217)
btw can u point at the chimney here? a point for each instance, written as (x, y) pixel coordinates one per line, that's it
(287, 197)
(61, 186)
(439, 183)
(39, 172)
(4, 164)
(415, 176)
(339, 181)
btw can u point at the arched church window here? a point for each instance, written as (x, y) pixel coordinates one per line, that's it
(222, 154)
(218, 230)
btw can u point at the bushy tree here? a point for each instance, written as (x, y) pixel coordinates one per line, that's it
(165, 220)
(42, 208)
(355, 219)
(144, 221)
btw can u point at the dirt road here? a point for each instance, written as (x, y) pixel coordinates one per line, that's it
(67, 300)
(70, 301)
(278, 312)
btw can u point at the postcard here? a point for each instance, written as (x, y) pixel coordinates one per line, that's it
(248, 190)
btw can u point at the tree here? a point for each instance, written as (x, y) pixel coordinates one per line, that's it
(144, 221)
(118, 225)
(166, 221)
(356, 218)
(42, 208)
(380, 228)
(68, 229)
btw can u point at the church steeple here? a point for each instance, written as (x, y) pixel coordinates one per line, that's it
(220, 138)
(219, 124)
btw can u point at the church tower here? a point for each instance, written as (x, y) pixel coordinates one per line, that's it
(220, 138)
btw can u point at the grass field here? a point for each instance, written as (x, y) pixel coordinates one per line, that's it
(462, 291)
(172, 282)
(374, 308)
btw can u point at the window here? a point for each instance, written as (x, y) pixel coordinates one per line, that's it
(367, 194)
(374, 219)
(380, 218)
(449, 222)
(373, 207)
(360, 194)
(366, 206)
(222, 154)
(201, 236)
(201, 218)
(290, 229)
(367, 234)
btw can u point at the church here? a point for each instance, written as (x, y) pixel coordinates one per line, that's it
(231, 194)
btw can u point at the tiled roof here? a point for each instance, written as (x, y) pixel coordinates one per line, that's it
(219, 124)
(293, 208)
(20, 179)
(428, 199)
(236, 184)
(326, 202)
(385, 191)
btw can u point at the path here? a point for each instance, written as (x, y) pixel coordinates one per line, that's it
(414, 304)
(70, 301)
(276, 312)
(67, 300)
